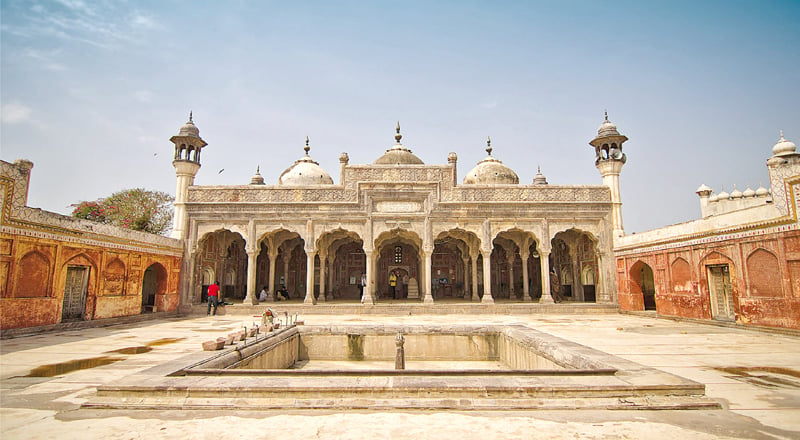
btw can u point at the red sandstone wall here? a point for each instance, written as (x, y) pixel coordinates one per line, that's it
(33, 276)
(764, 271)
(28, 312)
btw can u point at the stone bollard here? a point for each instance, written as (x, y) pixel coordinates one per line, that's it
(400, 355)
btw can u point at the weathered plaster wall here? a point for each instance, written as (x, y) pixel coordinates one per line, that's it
(37, 248)
(764, 267)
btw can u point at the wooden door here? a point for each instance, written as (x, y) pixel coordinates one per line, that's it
(719, 284)
(75, 292)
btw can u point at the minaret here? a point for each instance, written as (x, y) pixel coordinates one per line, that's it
(609, 160)
(188, 145)
(782, 166)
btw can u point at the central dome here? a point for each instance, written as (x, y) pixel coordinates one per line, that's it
(398, 154)
(305, 171)
(491, 171)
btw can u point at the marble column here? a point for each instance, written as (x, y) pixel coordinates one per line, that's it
(526, 291)
(322, 261)
(487, 277)
(252, 260)
(331, 277)
(466, 280)
(286, 270)
(511, 289)
(309, 299)
(369, 298)
(272, 263)
(427, 270)
(475, 294)
(547, 296)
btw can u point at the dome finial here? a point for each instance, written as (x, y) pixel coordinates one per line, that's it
(398, 136)
(782, 138)
(489, 145)
(258, 169)
(539, 169)
(306, 148)
(606, 114)
(190, 117)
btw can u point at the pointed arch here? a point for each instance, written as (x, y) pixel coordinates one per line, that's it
(575, 252)
(681, 273)
(763, 273)
(154, 286)
(114, 277)
(641, 282)
(33, 276)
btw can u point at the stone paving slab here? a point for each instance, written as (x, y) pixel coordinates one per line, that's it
(50, 407)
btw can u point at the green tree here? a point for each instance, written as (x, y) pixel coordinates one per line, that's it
(138, 209)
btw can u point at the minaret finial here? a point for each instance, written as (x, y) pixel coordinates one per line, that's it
(782, 138)
(606, 114)
(539, 169)
(306, 148)
(398, 136)
(489, 145)
(258, 169)
(190, 117)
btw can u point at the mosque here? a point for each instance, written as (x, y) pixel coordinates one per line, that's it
(488, 238)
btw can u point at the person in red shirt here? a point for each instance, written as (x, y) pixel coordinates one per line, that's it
(213, 297)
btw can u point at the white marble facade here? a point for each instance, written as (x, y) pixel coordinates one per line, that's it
(486, 238)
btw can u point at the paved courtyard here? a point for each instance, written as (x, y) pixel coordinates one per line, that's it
(755, 376)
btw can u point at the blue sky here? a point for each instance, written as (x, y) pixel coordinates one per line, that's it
(92, 91)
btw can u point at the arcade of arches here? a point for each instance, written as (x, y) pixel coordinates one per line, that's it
(457, 270)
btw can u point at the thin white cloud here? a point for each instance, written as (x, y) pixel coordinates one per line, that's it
(14, 113)
(78, 6)
(143, 22)
(45, 59)
(103, 25)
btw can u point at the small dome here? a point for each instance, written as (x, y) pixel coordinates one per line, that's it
(704, 189)
(784, 147)
(189, 129)
(713, 198)
(257, 179)
(305, 171)
(749, 192)
(491, 171)
(539, 178)
(723, 195)
(736, 194)
(398, 154)
(762, 192)
(607, 128)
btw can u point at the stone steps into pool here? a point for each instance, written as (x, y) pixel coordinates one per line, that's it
(235, 379)
(548, 401)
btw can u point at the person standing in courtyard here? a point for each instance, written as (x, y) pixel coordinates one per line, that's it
(362, 284)
(555, 287)
(213, 298)
(393, 284)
